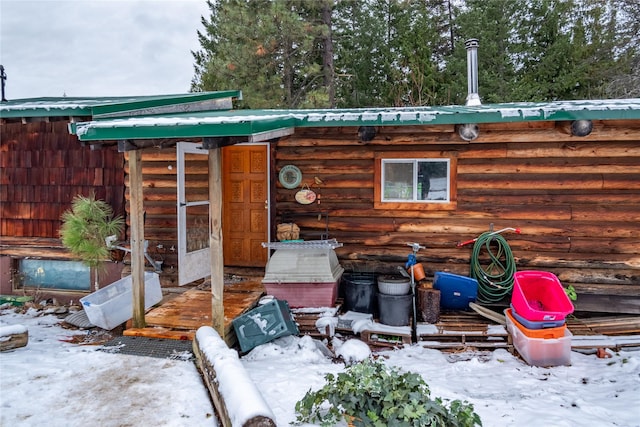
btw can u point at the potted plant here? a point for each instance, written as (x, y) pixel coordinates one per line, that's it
(84, 230)
(371, 394)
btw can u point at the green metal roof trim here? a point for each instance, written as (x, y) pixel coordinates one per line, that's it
(97, 106)
(157, 102)
(251, 122)
(188, 125)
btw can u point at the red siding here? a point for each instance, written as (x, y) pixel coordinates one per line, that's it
(43, 168)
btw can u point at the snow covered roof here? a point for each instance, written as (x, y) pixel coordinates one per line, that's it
(104, 107)
(255, 122)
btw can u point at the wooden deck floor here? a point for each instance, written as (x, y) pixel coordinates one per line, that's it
(180, 316)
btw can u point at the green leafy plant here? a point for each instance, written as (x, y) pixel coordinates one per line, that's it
(371, 394)
(84, 230)
(571, 293)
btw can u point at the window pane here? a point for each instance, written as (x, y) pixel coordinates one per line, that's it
(398, 180)
(196, 188)
(433, 180)
(53, 274)
(197, 227)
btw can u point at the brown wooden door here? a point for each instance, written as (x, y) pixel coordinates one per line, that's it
(245, 192)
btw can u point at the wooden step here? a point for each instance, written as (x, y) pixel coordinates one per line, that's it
(159, 332)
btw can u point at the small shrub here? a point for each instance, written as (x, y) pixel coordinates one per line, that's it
(85, 228)
(371, 394)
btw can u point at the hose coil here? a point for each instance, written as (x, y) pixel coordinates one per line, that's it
(495, 276)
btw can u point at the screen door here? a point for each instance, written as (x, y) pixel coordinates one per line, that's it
(194, 260)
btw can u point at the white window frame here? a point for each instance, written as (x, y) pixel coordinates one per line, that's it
(415, 185)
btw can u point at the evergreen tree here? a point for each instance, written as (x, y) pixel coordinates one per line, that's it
(345, 53)
(264, 48)
(491, 22)
(624, 82)
(420, 44)
(568, 50)
(390, 52)
(361, 47)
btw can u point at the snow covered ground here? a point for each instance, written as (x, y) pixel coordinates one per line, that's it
(51, 382)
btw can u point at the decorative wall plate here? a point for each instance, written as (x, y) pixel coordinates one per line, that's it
(305, 196)
(290, 176)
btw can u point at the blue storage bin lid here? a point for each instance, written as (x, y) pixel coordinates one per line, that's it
(532, 324)
(456, 291)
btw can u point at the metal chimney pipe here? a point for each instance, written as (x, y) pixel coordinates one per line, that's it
(3, 78)
(473, 99)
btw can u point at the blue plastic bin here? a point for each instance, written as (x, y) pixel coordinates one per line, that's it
(530, 324)
(263, 324)
(456, 292)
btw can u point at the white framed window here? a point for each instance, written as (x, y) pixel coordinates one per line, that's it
(415, 180)
(407, 181)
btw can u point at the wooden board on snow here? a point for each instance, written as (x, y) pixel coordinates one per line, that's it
(13, 336)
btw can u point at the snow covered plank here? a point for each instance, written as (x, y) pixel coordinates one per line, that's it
(13, 336)
(604, 341)
(235, 397)
(385, 338)
(456, 345)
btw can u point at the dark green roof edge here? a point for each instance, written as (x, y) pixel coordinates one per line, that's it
(251, 122)
(92, 106)
(48, 107)
(161, 101)
(164, 131)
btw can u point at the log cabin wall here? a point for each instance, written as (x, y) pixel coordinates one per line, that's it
(576, 200)
(43, 169)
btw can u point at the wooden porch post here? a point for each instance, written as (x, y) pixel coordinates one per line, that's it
(137, 237)
(215, 240)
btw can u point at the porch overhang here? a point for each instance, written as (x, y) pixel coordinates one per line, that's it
(251, 127)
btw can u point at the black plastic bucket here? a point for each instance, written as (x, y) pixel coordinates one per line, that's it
(395, 310)
(359, 292)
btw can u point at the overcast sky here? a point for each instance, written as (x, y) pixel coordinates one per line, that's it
(98, 47)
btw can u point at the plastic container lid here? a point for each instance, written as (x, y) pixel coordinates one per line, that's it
(456, 291)
(530, 324)
(547, 333)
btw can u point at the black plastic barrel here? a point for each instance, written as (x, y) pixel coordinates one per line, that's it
(359, 292)
(395, 310)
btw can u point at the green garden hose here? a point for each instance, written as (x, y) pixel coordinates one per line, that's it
(494, 272)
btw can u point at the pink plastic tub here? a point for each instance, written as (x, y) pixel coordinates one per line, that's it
(539, 296)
